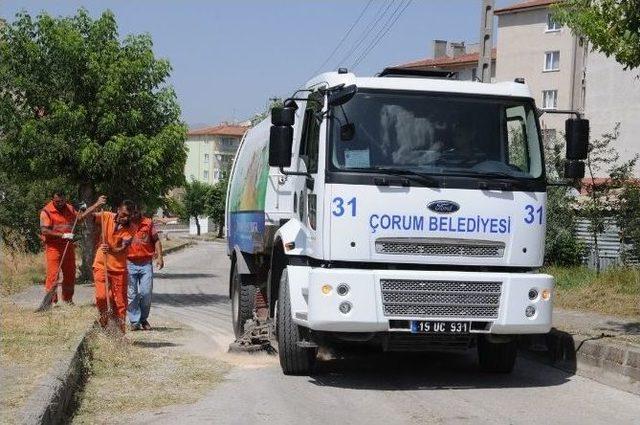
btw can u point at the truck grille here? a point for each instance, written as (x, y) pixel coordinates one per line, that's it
(433, 298)
(440, 247)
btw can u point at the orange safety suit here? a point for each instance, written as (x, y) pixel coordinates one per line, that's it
(116, 269)
(61, 222)
(143, 246)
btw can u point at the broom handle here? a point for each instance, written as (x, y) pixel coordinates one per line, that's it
(64, 253)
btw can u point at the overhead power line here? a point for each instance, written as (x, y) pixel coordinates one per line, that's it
(344, 37)
(383, 32)
(365, 34)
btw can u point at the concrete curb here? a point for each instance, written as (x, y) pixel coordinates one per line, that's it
(177, 248)
(601, 358)
(55, 394)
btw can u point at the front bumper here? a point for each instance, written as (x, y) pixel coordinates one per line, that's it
(318, 310)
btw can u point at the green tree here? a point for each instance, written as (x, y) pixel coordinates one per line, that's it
(612, 26)
(562, 247)
(601, 202)
(196, 195)
(79, 102)
(20, 205)
(216, 204)
(628, 218)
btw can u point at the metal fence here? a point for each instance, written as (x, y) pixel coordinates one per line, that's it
(610, 247)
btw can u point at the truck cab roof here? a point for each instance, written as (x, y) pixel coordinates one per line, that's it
(507, 88)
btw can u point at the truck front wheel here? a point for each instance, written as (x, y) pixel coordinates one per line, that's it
(497, 357)
(294, 360)
(243, 300)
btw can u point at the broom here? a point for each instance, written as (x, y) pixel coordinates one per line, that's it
(47, 301)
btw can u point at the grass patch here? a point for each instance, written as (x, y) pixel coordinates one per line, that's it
(615, 291)
(143, 372)
(31, 343)
(19, 270)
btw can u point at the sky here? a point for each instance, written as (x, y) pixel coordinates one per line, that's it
(230, 57)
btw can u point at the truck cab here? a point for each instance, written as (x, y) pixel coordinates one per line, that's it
(403, 213)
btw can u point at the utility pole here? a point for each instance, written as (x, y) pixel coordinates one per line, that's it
(486, 41)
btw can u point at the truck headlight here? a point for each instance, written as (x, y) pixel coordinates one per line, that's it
(533, 294)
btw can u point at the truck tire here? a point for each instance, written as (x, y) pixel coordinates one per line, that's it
(243, 300)
(294, 360)
(497, 357)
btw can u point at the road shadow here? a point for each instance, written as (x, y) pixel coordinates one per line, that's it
(629, 328)
(166, 329)
(184, 300)
(155, 344)
(428, 371)
(183, 275)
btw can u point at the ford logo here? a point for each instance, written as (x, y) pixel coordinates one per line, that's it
(443, 207)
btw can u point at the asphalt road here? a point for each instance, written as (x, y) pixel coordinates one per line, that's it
(366, 388)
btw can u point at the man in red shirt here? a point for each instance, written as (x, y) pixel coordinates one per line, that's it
(145, 246)
(56, 225)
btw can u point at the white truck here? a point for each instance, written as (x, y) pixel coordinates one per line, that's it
(402, 212)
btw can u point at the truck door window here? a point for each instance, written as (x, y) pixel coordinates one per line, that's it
(311, 133)
(516, 133)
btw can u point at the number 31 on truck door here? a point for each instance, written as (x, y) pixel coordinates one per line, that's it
(340, 207)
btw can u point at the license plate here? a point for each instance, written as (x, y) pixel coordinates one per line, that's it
(437, 327)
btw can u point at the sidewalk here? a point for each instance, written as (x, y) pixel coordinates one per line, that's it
(590, 324)
(603, 348)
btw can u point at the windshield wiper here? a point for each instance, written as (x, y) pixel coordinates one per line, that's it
(489, 174)
(424, 178)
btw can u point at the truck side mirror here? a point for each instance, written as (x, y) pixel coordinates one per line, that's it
(577, 135)
(282, 116)
(280, 144)
(574, 169)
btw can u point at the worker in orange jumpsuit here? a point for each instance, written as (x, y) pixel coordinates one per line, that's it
(56, 225)
(118, 232)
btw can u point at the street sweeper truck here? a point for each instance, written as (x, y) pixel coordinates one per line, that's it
(406, 212)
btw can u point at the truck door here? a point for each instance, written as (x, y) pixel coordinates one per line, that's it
(306, 194)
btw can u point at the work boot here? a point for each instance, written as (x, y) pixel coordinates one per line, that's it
(146, 326)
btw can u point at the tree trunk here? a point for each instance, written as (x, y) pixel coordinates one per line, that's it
(220, 230)
(87, 194)
(197, 224)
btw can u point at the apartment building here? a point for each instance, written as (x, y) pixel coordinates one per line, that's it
(459, 58)
(210, 151)
(563, 73)
(532, 45)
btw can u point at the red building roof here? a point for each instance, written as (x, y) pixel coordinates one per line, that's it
(220, 130)
(525, 5)
(445, 61)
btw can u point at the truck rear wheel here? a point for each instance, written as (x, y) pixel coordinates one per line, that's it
(294, 360)
(497, 357)
(243, 300)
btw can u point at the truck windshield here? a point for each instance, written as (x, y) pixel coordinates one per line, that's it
(443, 134)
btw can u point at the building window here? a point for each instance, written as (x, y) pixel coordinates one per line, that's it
(474, 74)
(227, 142)
(206, 158)
(205, 174)
(552, 61)
(552, 24)
(549, 99)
